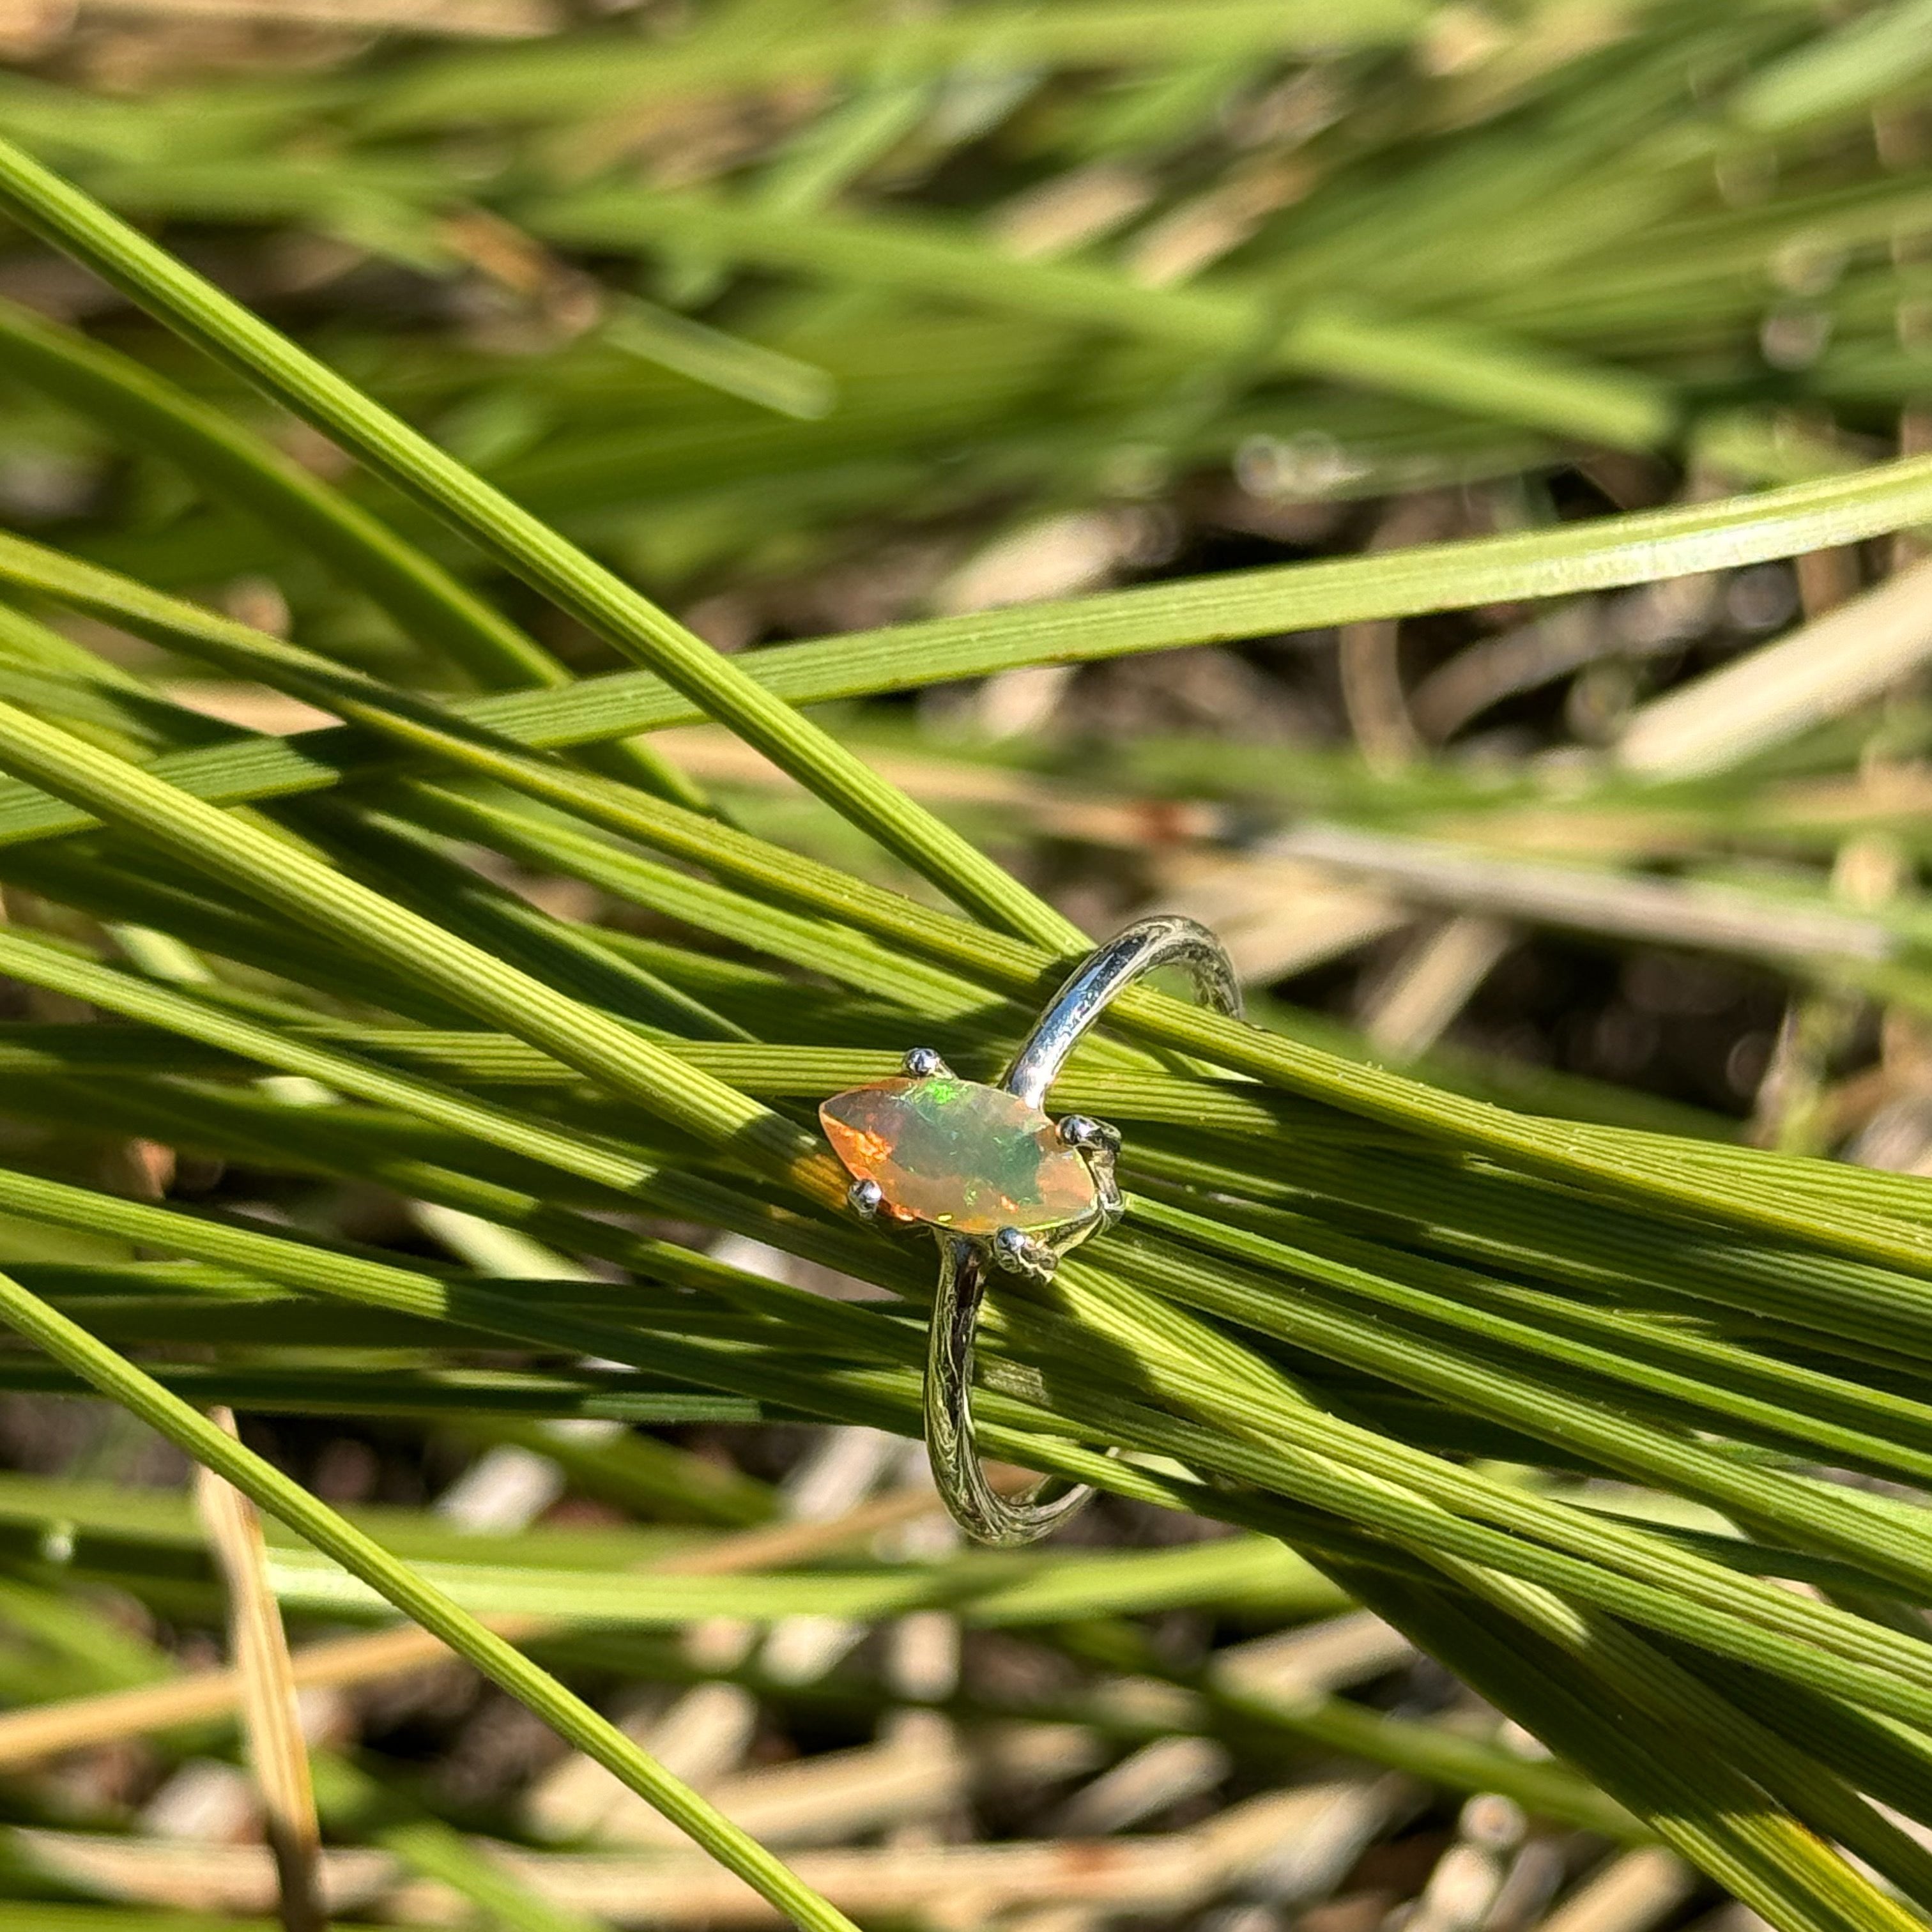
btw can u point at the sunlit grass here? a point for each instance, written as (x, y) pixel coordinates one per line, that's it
(1397, 1337)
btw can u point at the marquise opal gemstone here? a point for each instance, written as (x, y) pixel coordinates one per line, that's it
(959, 1155)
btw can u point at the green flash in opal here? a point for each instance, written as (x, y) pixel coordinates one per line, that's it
(954, 1153)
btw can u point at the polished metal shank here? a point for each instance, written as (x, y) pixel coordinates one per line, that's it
(980, 1510)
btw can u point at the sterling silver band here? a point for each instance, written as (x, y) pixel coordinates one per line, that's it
(978, 1508)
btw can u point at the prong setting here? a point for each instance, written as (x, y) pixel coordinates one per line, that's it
(864, 1199)
(1019, 1252)
(1098, 1143)
(923, 1063)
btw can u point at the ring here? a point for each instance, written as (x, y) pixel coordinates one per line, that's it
(994, 1179)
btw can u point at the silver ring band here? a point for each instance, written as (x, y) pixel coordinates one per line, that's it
(980, 1510)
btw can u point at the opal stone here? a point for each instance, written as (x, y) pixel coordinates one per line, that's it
(956, 1154)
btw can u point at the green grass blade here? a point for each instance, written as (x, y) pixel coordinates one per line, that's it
(564, 81)
(266, 1485)
(1464, 368)
(1600, 554)
(261, 865)
(427, 603)
(149, 276)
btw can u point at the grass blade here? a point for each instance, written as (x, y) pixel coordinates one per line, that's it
(277, 1752)
(266, 1486)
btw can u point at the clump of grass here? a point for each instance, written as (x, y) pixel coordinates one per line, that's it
(1569, 1399)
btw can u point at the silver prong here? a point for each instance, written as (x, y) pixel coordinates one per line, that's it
(923, 1064)
(1018, 1253)
(864, 1199)
(1100, 1144)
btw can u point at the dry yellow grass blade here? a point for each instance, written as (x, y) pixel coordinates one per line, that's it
(1282, 1839)
(466, 19)
(46, 1730)
(1669, 912)
(1433, 982)
(1633, 1893)
(1843, 657)
(265, 1685)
